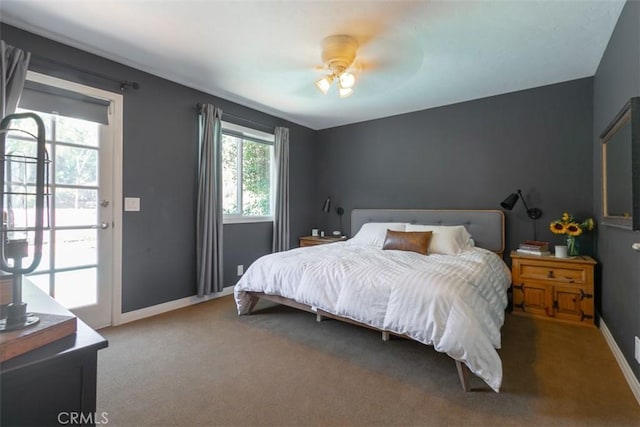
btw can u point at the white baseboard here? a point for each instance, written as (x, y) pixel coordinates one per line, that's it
(169, 306)
(633, 382)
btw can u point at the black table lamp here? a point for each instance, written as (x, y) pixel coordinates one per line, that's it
(22, 206)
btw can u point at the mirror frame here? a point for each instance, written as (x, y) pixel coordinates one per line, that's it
(629, 113)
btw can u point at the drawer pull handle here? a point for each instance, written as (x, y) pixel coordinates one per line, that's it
(550, 274)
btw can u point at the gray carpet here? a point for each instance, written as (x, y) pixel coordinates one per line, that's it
(204, 365)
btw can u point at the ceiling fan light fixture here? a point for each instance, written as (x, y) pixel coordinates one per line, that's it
(338, 54)
(347, 80)
(324, 84)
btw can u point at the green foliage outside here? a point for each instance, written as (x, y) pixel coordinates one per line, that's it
(255, 171)
(229, 174)
(256, 183)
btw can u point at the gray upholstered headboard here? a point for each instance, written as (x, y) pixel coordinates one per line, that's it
(485, 226)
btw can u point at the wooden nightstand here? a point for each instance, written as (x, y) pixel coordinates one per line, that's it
(316, 240)
(553, 288)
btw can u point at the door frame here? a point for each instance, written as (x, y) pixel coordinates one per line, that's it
(116, 110)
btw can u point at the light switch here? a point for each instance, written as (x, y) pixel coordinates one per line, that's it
(132, 204)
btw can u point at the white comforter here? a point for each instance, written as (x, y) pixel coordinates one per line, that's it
(455, 303)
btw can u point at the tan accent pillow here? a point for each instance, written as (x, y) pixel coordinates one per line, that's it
(414, 241)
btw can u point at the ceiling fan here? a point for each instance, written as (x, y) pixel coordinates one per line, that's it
(338, 58)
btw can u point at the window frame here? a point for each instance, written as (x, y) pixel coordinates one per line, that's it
(248, 134)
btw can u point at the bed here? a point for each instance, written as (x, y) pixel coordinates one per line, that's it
(453, 297)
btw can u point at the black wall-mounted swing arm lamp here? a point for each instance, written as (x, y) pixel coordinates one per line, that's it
(512, 199)
(326, 207)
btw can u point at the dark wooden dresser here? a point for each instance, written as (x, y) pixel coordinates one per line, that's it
(56, 383)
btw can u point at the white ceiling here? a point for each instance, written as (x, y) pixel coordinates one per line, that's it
(264, 54)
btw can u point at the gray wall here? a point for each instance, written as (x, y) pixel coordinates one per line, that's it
(618, 79)
(160, 151)
(471, 155)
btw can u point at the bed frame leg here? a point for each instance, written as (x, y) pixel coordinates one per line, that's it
(252, 304)
(385, 335)
(463, 374)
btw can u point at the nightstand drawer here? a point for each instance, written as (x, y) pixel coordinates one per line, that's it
(316, 240)
(564, 274)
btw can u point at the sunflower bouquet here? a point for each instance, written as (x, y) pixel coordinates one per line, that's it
(572, 228)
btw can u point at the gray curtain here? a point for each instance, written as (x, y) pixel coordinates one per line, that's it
(14, 63)
(281, 214)
(209, 213)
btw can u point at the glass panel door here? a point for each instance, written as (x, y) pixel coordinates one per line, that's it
(76, 256)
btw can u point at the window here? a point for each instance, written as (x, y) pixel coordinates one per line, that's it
(247, 159)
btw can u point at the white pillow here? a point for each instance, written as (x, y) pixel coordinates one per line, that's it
(374, 233)
(446, 240)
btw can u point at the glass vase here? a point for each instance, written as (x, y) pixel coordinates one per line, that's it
(572, 246)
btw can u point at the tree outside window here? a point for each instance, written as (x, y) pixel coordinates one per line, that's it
(246, 176)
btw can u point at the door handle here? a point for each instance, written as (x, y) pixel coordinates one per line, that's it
(101, 226)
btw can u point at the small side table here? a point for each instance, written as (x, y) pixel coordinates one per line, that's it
(561, 289)
(316, 240)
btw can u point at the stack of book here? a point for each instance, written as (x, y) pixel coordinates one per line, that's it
(534, 247)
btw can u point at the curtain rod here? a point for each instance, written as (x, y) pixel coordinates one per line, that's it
(199, 108)
(123, 83)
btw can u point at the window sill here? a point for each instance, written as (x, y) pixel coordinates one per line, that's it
(245, 219)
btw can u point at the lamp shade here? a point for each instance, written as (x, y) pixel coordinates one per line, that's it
(347, 80)
(326, 207)
(324, 83)
(345, 92)
(510, 201)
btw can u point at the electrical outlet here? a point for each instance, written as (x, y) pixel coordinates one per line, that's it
(637, 349)
(240, 269)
